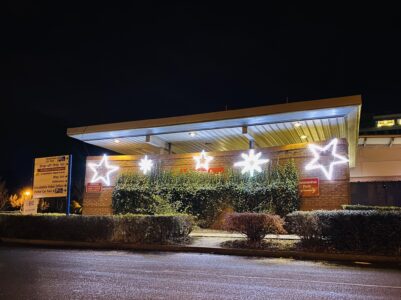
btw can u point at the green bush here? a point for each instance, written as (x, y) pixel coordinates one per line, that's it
(363, 230)
(254, 225)
(306, 225)
(119, 228)
(370, 207)
(206, 195)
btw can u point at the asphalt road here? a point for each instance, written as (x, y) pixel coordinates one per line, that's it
(35, 273)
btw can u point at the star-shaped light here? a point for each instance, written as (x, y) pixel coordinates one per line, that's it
(202, 161)
(251, 163)
(145, 165)
(336, 158)
(102, 171)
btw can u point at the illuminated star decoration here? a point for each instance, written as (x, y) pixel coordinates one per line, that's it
(251, 163)
(202, 161)
(102, 171)
(145, 165)
(336, 160)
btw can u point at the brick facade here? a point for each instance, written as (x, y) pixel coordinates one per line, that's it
(333, 192)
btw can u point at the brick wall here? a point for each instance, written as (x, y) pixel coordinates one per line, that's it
(333, 192)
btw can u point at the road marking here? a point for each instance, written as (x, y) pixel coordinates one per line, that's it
(318, 281)
(282, 279)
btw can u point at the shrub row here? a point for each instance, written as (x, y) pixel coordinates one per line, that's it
(370, 207)
(363, 230)
(205, 195)
(127, 228)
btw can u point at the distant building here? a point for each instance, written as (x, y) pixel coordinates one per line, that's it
(376, 177)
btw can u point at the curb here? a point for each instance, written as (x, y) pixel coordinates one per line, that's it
(273, 237)
(394, 261)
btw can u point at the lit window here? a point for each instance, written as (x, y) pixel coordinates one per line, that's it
(385, 123)
(399, 122)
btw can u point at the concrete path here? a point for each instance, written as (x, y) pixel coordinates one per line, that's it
(213, 238)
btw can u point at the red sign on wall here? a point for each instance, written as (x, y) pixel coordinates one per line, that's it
(309, 187)
(210, 170)
(216, 170)
(94, 187)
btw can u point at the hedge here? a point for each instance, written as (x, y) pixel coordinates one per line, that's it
(370, 207)
(126, 228)
(353, 230)
(205, 195)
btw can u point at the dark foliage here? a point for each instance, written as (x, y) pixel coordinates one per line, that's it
(370, 207)
(127, 228)
(363, 230)
(206, 195)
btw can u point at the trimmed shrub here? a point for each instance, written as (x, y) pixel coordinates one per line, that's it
(369, 207)
(254, 225)
(367, 231)
(306, 225)
(120, 228)
(207, 195)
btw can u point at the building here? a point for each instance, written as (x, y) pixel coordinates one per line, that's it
(376, 177)
(322, 137)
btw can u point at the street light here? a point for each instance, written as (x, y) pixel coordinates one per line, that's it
(27, 194)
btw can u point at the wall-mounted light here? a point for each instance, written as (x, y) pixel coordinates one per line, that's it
(251, 162)
(202, 161)
(335, 160)
(192, 134)
(116, 141)
(102, 171)
(145, 165)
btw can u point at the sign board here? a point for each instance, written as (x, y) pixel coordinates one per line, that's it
(94, 187)
(51, 176)
(216, 170)
(309, 187)
(30, 207)
(210, 170)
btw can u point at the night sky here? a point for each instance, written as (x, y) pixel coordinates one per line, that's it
(64, 65)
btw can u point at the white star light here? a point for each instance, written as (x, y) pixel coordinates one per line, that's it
(102, 171)
(202, 161)
(145, 165)
(317, 150)
(251, 162)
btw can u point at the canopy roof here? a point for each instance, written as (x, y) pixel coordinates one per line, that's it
(266, 126)
(387, 140)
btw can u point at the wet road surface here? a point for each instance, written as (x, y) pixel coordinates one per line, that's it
(36, 273)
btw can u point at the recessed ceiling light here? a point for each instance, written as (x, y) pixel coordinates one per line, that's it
(192, 134)
(116, 141)
(303, 137)
(297, 124)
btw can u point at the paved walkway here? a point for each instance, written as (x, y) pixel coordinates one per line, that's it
(213, 238)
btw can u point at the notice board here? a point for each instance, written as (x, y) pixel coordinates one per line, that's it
(51, 176)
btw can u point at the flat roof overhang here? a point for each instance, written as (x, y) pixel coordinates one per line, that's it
(374, 140)
(267, 126)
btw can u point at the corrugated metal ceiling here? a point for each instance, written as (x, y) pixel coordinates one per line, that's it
(267, 135)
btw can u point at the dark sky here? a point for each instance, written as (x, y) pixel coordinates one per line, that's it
(66, 65)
